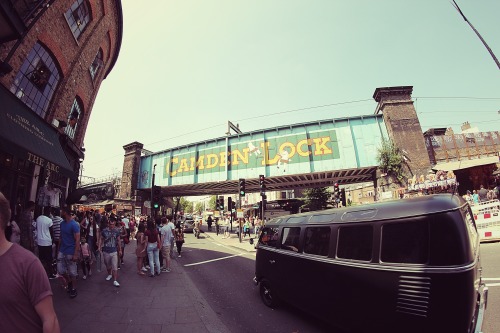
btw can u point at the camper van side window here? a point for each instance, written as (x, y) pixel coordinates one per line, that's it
(317, 241)
(355, 243)
(269, 236)
(405, 242)
(290, 239)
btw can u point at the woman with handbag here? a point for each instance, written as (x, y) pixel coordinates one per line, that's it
(153, 248)
(140, 251)
(179, 239)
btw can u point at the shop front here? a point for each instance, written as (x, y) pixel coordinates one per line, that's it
(33, 160)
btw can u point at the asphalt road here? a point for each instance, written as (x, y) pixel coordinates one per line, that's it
(490, 257)
(224, 276)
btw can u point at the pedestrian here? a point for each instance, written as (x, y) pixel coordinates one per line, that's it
(153, 248)
(475, 197)
(140, 251)
(257, 225)
(209, 222)
(126, 223)
(167, 234)
(172, 239)
(483, 194)
(217, 226)
(110, 246)
(15, 235)
(85, 258)
(26, 295)
(179, 239)
(25, 226)
(69, 251)
(124, 240)
(93, 238)
(56, 228)
(44, 240)
(246, 228)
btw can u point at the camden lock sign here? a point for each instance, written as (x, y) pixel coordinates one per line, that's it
(252, 154)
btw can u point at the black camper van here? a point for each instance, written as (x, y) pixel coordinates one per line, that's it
(410, 265)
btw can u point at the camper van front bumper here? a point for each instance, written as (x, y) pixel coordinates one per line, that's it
(483, 303)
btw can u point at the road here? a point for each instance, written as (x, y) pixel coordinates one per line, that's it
(223, 275)
(490, 256)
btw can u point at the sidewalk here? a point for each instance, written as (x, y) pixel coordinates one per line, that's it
(166, 303)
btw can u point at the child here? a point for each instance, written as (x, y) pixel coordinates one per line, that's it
(85, 258)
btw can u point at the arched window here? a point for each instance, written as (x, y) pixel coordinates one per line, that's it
(75, 113)
(37, 80)
(96, 64)
(78, 16)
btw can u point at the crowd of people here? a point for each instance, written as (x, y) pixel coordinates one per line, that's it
(482, 195)
(70, 245)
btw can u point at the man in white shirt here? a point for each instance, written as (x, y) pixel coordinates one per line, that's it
(44, 240)
(167, 236)
(126, 222)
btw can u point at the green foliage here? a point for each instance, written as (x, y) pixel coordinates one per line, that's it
(212, 202)
(317, 198)
(391, 160)
(199, 207)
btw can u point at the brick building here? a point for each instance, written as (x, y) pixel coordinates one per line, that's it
(54, 54)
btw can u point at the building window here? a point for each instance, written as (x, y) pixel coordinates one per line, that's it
(96, 64)
(73, 116)
(355, 243)
(37, 80)
(78, 17)
(317, 241)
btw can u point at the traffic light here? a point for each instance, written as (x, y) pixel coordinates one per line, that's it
(155, 202)
(342, 197)
(262, 184)
(241, 186)
(220, 203)
(336, 190)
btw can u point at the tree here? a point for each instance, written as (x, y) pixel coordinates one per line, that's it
(317, 198)
(199, 207)
(212, 202)
(391, 160)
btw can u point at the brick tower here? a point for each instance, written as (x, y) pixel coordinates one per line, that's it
(403, 126)
(131, 164)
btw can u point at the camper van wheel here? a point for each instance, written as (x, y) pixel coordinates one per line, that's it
(267, 294)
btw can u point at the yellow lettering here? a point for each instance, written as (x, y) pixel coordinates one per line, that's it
(192, 163)
(265, 147)
(212, 160)
(174, 160)
(223, 159)
(301, 143)
(237, 154)
(183, 167)
(320, 146)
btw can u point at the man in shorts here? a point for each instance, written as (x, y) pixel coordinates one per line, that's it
(110, 246)
(69, 250)
(167, 236)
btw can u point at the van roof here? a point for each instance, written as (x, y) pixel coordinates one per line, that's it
(429, 204)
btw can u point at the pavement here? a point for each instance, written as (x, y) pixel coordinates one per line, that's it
(166, 303)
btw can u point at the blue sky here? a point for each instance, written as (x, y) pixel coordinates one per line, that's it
(187, 67)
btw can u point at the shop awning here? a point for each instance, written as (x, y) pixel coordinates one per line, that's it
(26, 135)
(465, 164)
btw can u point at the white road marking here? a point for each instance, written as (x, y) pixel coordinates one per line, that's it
(492, 284)
(212, 260)
(491, 279)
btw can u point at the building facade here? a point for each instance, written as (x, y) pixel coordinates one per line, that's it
(54, 54)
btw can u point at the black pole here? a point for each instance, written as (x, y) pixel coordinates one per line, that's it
(153, 212)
